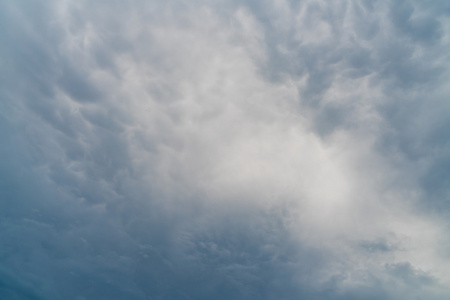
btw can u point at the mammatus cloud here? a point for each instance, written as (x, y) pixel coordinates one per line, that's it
(235, 150)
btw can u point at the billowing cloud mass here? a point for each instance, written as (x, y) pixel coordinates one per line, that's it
(225, 150)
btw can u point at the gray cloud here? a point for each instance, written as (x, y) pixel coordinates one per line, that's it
(406, 273)
(255, 150)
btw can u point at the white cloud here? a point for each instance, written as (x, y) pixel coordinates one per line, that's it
(230, 143)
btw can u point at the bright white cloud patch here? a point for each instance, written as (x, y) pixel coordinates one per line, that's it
(235, 150)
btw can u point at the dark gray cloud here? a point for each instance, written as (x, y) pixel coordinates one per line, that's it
(244, 150)
(406, 273)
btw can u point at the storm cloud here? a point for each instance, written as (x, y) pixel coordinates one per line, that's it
(224, 150)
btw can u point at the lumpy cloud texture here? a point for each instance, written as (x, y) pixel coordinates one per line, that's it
(224, 150)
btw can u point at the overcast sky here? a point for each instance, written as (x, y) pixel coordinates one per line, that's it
(225, 150)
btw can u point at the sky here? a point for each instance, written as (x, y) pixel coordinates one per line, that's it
(225, 150)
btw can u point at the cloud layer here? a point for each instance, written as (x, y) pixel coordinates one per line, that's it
(226, 150)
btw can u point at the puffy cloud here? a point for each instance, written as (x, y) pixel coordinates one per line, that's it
(245, 150)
